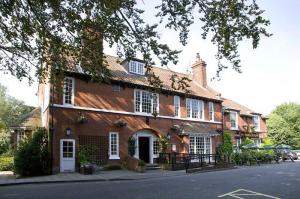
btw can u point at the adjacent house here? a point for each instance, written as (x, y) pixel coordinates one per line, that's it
(25, 127)
(242, 122)
(128, 110)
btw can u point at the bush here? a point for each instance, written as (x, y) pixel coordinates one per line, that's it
(249, 156)
(32, 157)
(6, 163)
(226, 148)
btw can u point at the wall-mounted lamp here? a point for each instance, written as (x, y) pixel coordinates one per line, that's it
(68, 131)
(168, 136)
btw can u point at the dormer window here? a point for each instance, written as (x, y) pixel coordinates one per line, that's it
(136, 67)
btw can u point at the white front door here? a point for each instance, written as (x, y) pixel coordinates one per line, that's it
(67, 155)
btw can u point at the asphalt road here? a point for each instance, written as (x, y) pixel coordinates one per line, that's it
(267, 181)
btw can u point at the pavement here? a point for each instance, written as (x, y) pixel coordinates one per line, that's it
(8, 178)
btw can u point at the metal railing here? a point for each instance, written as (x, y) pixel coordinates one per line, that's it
(178, 161)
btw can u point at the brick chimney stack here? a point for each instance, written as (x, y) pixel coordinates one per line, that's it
(199, 71)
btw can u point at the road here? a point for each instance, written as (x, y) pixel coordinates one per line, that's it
(267, 181)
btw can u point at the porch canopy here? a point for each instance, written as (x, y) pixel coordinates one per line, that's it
(188, 128)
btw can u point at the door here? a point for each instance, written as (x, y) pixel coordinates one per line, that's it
(144, 149)
(67, 155)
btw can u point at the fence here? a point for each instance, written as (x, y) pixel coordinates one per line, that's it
(178, 161)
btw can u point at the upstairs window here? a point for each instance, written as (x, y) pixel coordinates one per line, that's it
(211, 111)
(176, 106)
(256, 121)
(146, 102)
(194, 108)
(68, 91)
(136, 67)
(233, 120)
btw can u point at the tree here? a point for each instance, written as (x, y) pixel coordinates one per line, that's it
(32, 156)
(36, 33)
(10, 111)
(284, 124)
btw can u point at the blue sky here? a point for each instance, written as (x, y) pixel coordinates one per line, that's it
(270, 72)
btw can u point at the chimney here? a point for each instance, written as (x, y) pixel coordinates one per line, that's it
(199, 71)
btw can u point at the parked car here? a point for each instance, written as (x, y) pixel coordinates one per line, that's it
(297, 152)
(286, 154)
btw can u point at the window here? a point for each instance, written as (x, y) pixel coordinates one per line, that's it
(177, 106)
(69, 90)
(194, 108)
(68, 149)
(136, 67)
(116, 88)
(200, 145)
(21, 135)
(211, 112)
(233, 120)
(146, 102)
(155, 147)
(256, 121)
(114, 145)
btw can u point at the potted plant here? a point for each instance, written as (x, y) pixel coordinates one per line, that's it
(141, 166)
(82, 119)
(120, 123)
(85, 160)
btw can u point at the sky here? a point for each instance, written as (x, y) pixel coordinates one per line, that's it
(271, 73)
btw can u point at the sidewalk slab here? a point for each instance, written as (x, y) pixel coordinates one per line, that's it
(77, 177)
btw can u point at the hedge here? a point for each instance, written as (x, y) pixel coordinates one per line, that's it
(6, 163)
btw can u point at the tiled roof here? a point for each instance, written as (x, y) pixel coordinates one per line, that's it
(230, 104)
(30, 120)
(120, 73)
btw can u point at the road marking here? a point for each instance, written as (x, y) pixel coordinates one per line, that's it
(244, 192)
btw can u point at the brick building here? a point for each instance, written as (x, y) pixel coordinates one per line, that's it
(107, 116)
(242, 122)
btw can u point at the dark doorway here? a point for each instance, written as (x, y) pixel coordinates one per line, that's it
(144, 149)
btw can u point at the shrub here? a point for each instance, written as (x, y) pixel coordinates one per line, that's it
(141, 163)
(6, 163)
(226, 148)
(86, 154)
(32, 156)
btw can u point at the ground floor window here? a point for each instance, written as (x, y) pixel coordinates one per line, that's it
(21, 135)
(200, 145)
(155, 147)
(114, 145)
(257, 142)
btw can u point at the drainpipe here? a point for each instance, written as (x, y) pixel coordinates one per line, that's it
(52, 128)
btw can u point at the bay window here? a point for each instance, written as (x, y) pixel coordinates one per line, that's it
(200, 145)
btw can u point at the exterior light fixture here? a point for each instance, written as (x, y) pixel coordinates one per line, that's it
(68, 131)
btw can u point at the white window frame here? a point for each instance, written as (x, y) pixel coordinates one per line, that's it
(257, 127)
(211, 112)
(114, 156)
(205, 147)
(141, 103)
(177, 106)
(64, 96)
(136, 67)
(200, 104)
(21, 135)
(236, 120)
